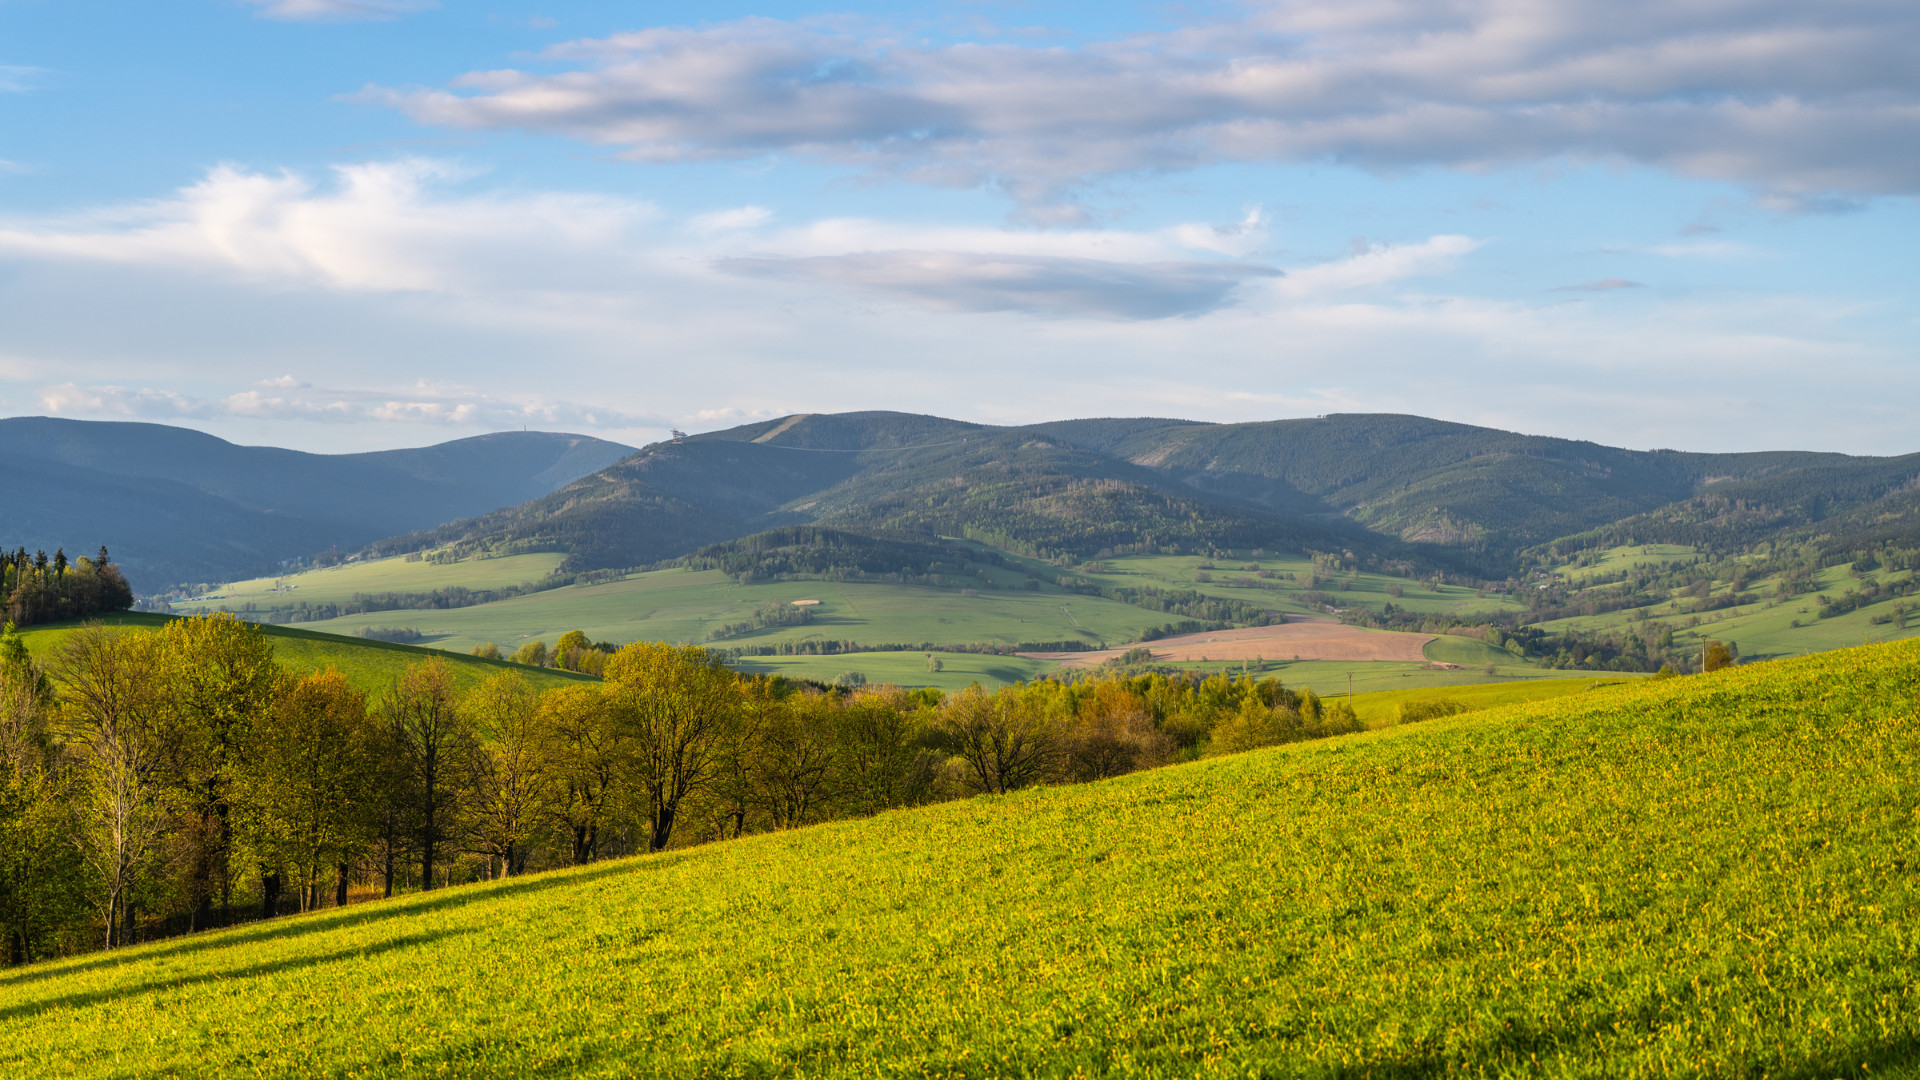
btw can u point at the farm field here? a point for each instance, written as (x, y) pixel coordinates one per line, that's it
(371, 666)
(1296, 639)
(1766, 629)
(957, 670)
(333, 584)
(1706, 875)
(1231, 579)
(684, 605)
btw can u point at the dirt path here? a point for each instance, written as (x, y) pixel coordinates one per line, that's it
(1296, 639)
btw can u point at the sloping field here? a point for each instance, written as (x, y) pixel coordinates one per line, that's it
(1296, 639)
(373, 667)
(1702, 876)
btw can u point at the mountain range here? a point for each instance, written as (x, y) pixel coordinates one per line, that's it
(177, 505)
(1400, 487)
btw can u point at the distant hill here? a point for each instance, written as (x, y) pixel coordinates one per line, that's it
(176, 505)
(1398, 488)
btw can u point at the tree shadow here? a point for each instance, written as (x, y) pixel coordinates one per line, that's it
(95, 997)
(318, 922)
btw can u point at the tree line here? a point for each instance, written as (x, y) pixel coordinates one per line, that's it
(40, 589)
(165, 781)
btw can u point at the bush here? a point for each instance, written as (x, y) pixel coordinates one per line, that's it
(1428, 709)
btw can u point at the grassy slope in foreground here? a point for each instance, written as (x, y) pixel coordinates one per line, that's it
(371, 666)
(1709, 875)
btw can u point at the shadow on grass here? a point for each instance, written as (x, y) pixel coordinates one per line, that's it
(319, 922)
(96, 997)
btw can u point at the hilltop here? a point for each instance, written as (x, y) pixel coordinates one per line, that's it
(176, 505)
(1395, 489)
(1709, 874)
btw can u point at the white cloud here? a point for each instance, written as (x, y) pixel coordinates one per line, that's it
(277, 308)
(339, 10)
(17, 79)
(1799, 101)
(419, 405)
(722, 221)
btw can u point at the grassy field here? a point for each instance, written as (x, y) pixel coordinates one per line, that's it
(1382, 707)
(337, 583)
(372, 666)
(684, 605)
(958, 670)
(1700, 876)
(1766, 629)
(1237, 578)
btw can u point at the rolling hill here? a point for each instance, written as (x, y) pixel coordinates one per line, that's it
(1395, 489)
(176, 505)
(1708, 875)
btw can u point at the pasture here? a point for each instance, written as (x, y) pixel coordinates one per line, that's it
(685, 605)
(371, 666)
(1698, 876)
(334, 584)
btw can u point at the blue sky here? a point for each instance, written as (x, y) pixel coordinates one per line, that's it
(352, 224)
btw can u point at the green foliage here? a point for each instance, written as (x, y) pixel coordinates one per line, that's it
(1593, 885)
(1411, 712)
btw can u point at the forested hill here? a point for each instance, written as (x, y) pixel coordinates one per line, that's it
(179, 505)
(1396, 487)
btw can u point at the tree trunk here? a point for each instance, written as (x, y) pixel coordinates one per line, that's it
(269, 895)
(662, 827)
(387, 869)
(340, 885)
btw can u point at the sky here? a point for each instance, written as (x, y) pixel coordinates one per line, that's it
(343, 225)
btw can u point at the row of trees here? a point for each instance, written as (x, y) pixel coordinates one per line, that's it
(41, 589)
(171, 780)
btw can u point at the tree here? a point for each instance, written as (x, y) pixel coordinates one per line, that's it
(1253, 725)
(592, 765)
(111, 719)
(41, 878)
(882, 762)
(1714, 656)
(798, 759)
(512, 770)
(304, 795)
(672, 703)
(532, 654)
(424, 722)
(1005, 742)
(220, 681)
(1114, 734)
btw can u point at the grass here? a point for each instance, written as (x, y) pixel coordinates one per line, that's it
(1382, 707)
(1232, 580)
(958, 670)
(337, 583)
(372, 666)
(684, 605)
(1765, 629)
(1701, 876)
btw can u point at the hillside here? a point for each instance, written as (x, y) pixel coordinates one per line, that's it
(373, 667)
(1394, 489)
(1705, 875)
(176, 505)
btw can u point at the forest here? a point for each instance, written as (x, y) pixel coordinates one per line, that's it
(39, 589)
(159, 782)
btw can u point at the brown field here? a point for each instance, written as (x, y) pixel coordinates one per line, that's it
(1302, 639)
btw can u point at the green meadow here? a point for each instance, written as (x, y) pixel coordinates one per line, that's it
(372, 666)
(685, 605)
(333, 584)
(1767, 628)
(1705, 876)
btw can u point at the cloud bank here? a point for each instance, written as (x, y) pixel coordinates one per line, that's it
(1807, 104)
